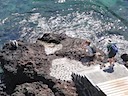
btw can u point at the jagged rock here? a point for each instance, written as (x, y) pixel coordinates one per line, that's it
(12, 44)
(53, 38)
(124, 57)
(21, 65)
(71, 49)
(33, 89)
(29, 65)
(65, 89)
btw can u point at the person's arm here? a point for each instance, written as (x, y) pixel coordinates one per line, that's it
(108, 48)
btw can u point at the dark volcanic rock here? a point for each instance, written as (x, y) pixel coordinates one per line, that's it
(65, 89)
(71, 49)
(33, 89)
(53, 38)
(29, 63)
(59, 88)
(124, 57)
(27, 67)
(21, 65)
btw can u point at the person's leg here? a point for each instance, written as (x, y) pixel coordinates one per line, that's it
(110, 61)
(110, 58)
(114, 60)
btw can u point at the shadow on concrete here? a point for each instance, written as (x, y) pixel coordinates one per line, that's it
(109, 70)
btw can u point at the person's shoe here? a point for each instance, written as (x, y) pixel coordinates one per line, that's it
(111, 66)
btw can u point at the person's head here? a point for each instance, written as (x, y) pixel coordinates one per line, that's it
(109, 40)
(87, 42)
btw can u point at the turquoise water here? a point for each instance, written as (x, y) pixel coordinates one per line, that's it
(29, 19)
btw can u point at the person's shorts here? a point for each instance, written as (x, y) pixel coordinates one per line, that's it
(111, 54)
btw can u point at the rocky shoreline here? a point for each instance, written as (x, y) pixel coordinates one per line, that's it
(31, 69)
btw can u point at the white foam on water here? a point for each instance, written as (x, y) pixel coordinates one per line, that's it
(34, 17)
(80, 25)
(4, 20)
(60, 1)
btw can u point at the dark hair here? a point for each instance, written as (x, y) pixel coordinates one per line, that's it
(109, 40)
(88, 42)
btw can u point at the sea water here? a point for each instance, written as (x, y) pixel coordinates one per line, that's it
(97, 20)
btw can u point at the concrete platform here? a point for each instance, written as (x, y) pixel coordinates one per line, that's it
(110, 82)
(117, 87)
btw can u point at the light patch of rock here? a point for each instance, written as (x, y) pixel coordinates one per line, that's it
(51, 48)
(63, 68)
